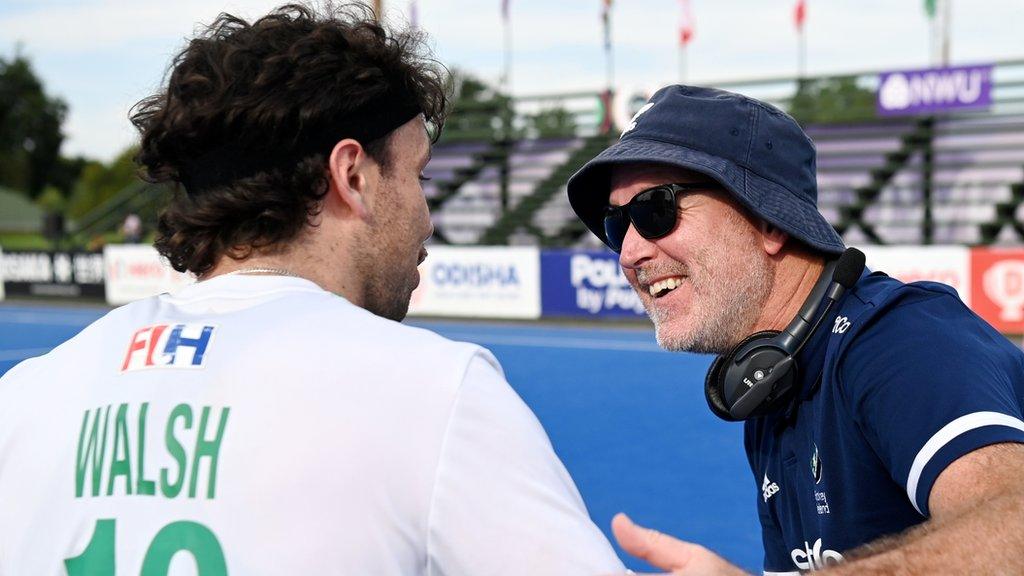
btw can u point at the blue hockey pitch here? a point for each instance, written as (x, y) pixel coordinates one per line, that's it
(629, 420)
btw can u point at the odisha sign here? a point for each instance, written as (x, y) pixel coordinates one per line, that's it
(934, 90)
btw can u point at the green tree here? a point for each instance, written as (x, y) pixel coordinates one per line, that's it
(30, 128)
(825, 100)
(99, 182)
(479, 112)
(553, 123)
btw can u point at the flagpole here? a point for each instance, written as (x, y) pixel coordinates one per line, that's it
(610, 65)
(931, 9)
(933, 40)
(802, 53)
(800, 16)
(378, 10)
(946, 18)
(685, 34)
(682, 63)
(608, 54)
(507, 72)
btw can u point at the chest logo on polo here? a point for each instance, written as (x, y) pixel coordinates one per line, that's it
(841, 326)
(816, 465)
(768, 488)
(814, 558)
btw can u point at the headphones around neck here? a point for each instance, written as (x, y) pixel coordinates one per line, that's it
(757, 375)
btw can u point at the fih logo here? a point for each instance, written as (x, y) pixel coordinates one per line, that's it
(1004, 284)
(814, 558)
(168, 346)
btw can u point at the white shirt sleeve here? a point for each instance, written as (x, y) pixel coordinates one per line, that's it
(503, 503)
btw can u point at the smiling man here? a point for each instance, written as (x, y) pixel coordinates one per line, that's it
(872, 408)
(275, 417)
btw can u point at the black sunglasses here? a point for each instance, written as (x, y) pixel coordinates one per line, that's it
(652, 212)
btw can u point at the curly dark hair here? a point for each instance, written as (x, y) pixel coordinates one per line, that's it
(263, 90)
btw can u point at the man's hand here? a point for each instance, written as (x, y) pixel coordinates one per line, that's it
(665, 552)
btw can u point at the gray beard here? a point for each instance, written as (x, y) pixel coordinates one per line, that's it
(725, 309)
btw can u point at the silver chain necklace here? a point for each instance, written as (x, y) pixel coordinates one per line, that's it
(261, 270)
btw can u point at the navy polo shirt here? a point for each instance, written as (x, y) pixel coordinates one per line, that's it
(898, 382)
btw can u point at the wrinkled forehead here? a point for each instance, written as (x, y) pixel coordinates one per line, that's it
(627, 180)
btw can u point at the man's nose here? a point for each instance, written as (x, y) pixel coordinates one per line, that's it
(636, 250)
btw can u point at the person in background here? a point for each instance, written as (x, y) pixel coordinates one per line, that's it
(132, 228)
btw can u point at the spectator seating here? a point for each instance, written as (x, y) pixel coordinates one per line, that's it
(954, 180)
(476, 205)
(968, 196)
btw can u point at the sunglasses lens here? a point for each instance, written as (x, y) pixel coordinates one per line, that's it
(615, 226)
(653, 212)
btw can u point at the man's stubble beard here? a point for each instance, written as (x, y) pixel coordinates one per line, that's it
(728, 297)
(387, 290)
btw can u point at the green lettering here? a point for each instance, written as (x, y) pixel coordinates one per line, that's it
(209, 448)
(98, 557)
(93, 456)
(185, 536)
(121, 465)
(174, 447)
(143, 487)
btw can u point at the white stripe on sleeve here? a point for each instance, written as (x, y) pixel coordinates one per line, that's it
(944, 436)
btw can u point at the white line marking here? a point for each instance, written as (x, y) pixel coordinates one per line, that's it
(35, 319)
(22, 353)
(552, 342)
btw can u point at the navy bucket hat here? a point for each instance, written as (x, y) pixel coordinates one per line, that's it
(755, 151)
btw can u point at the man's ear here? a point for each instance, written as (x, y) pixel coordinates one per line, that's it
(772, 238)
(351, 176)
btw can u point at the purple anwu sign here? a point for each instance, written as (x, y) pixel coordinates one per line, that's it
(934, 90)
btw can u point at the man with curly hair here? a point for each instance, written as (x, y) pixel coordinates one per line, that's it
(274, 418)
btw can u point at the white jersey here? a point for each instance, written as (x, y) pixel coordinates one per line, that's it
(256, 425)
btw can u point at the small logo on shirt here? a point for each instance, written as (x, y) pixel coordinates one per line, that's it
(816, 465)
(167, 346)
(814, 558)
(768, 488)
(841, 326)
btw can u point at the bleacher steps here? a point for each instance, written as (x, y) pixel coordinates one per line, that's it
(519, 217)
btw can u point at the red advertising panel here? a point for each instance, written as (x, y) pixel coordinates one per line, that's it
(997, 287)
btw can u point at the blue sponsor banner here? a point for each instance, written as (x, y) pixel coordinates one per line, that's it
(578, 283)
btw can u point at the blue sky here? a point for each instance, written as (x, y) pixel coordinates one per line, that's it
(101, 56)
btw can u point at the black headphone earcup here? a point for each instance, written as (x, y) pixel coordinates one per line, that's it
(712, 390)
(714, 382)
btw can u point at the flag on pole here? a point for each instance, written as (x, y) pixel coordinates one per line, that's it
(606, 9)
(686, 24)
(800, 14)
(929, 8)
